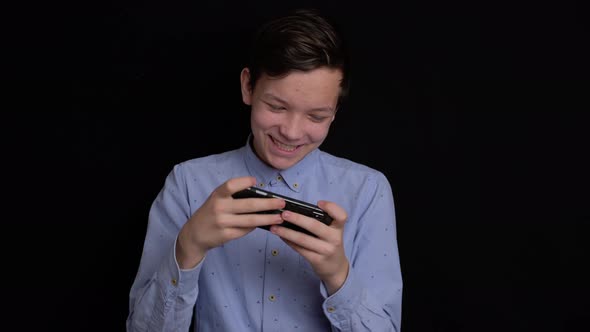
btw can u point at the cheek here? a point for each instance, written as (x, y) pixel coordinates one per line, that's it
(259, 121)
(263, 119)
(318, 132)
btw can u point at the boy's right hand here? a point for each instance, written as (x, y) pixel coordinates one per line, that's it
(221, 219)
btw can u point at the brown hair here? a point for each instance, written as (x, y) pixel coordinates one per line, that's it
(302, 40)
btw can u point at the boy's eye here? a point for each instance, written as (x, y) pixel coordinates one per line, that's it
(276, 107)
(317, 118)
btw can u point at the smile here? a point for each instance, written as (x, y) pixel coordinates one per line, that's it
(282, 146)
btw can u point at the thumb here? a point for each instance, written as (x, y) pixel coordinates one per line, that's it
(335, 211)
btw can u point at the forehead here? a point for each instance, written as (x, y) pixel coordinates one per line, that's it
(320, 85)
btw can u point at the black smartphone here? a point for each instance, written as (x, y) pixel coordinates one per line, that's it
(291, 204)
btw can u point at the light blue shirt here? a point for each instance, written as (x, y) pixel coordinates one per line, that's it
(257, 282)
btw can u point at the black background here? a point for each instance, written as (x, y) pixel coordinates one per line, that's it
(475, 112)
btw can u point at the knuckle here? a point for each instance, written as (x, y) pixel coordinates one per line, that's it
(271, 204)
(227, 233)
(221, 223)
(337, 242)
(225, 187)
(301, 238)
(216, 207)
(330, 250)
(252, 220)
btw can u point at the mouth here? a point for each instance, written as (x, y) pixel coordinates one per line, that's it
(282, 146)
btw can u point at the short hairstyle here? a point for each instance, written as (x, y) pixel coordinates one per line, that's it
(302, 41)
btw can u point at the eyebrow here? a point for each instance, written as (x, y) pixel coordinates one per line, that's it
(282, 101)
(275, 98)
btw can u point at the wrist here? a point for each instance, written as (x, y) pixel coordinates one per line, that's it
(188, 254)
(336, 281)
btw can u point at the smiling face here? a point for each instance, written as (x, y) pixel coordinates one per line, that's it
(291, 115)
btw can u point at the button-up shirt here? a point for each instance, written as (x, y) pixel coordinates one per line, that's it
(257, 282)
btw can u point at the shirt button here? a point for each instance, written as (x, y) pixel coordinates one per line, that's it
(296, 185)
(279, 178)
(331, 309)
(275, 252)
(272, 298)
(173, 282)
(261, 184)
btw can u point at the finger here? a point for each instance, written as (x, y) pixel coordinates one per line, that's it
(253, 220)
(302, 240)
(335, 211)
(313, 225)
(306, 253)
(236, 184)
(252, 205)
(236, 232)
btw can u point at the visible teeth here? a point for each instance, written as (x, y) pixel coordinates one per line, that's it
(285, 146)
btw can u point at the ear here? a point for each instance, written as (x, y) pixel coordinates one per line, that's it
(245, 84)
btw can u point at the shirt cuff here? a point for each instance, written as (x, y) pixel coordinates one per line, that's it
(182, 280)
(341, 305)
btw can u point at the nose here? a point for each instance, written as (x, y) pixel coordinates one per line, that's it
(292, 127)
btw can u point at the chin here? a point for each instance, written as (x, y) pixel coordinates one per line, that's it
(281, 165)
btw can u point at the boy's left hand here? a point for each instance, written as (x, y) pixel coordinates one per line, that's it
(326, 252)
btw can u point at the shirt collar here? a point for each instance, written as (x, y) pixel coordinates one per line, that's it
(295, 177)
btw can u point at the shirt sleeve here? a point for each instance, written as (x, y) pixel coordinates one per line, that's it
(163, 296)
(370, 298)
